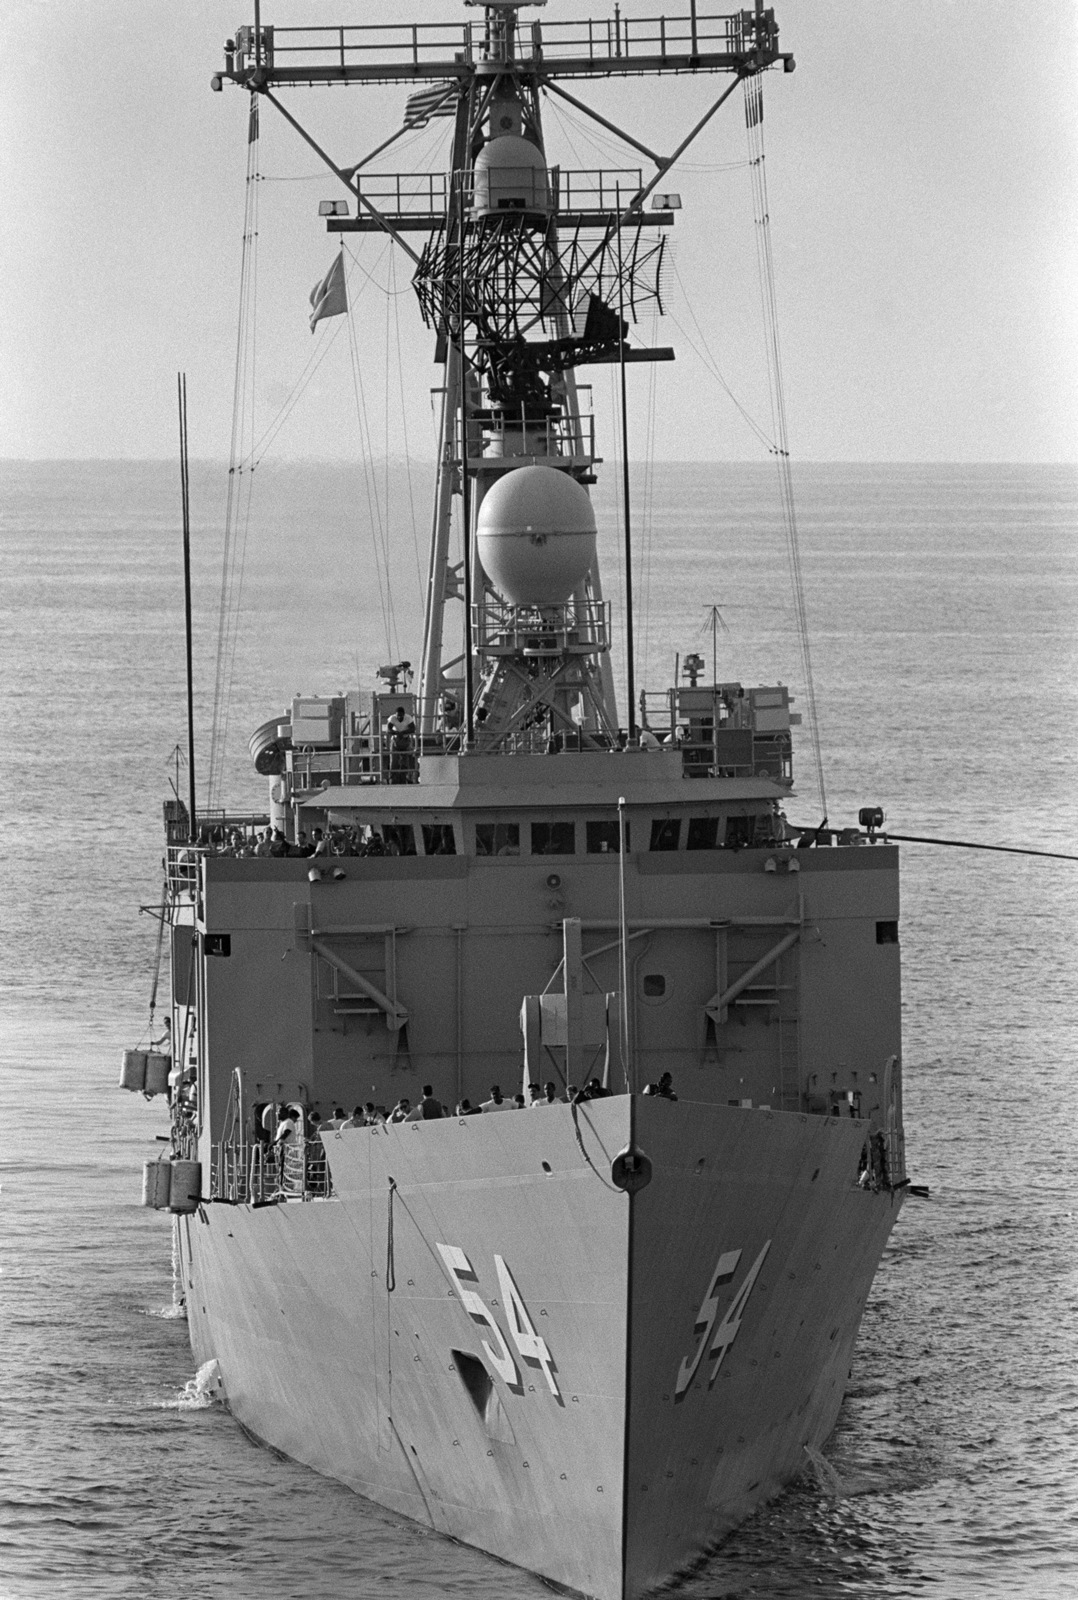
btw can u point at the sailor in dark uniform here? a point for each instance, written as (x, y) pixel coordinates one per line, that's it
(400, 734)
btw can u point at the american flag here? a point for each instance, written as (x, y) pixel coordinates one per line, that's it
(439, 101)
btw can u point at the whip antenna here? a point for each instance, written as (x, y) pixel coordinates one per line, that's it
(630, 674)
(623, 933)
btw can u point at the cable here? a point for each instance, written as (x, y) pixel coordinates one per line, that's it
(404, 436)
(246, 451)
(967, 844)
(710, 365)
(648, 517)
(371, 489)
(235, 511)
(754, 123)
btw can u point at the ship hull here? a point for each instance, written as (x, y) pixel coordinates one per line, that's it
(485, 1331)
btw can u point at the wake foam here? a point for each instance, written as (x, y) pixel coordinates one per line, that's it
(200, 1391)
(832, 1482)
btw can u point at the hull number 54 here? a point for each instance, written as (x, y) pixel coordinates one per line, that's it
(530, 1346)
(704, 1330)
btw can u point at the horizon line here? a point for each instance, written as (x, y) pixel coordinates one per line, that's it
(425, 461)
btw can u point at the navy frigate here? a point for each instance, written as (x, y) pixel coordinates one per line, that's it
(592, 1334)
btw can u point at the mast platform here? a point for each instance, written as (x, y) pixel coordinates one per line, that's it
(609, 47)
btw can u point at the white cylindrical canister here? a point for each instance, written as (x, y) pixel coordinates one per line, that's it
(185, 1190)
(157, 1068)
(133, 1070)
(156, 1184)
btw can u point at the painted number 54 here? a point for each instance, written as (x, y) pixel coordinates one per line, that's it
(530, 1346)
(724, 1335)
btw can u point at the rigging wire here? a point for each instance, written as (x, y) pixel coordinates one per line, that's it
(648, 517)
(238, 498)
(404, 435)
(386, 498)
(605, 144)
(162, 917)
(707, 360)
(326, 339)
(246, 451)
(260, 450)
(379, 514)
(754, 123)
(968, 844)
(370, 484)
(406, 142)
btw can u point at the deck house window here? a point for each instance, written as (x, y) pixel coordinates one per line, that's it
(553, 838)
(739, 832)
(399, 838)
(497, 838)
(603, 838)
(438, 839)
(703, 833)
(665, 833)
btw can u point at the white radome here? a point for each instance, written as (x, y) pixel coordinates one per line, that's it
(536, 536)
(510, 175)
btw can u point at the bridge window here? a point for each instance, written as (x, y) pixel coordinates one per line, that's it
(438, 839)
(703, 833)
(399, 838)
(665, 834)
(553, 838)
(603, 838)
(739, 832)
(497, 838)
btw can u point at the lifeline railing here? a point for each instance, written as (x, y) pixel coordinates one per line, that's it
(566, 437)
(259, 1174)
(573, 628)
(181, 867)
(596, 43)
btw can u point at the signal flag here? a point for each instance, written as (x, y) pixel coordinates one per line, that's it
(329, 298)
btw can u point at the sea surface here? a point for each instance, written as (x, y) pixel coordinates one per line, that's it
(944, 626)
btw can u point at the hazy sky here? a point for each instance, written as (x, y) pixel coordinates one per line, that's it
(923, 173)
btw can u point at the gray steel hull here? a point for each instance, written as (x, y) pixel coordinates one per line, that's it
(343, 1332)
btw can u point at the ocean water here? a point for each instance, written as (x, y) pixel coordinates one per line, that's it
(944, 604)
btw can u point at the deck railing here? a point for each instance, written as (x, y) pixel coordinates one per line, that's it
(598, 44)
(260, 1174)
(507, 437)
(573, 628)
(181, 868)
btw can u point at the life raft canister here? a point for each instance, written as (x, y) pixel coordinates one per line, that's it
(156, 1184)
(157, 1070)
(185, 1189)
(133, 1070)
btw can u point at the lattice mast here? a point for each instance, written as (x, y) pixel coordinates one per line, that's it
(527, 272)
